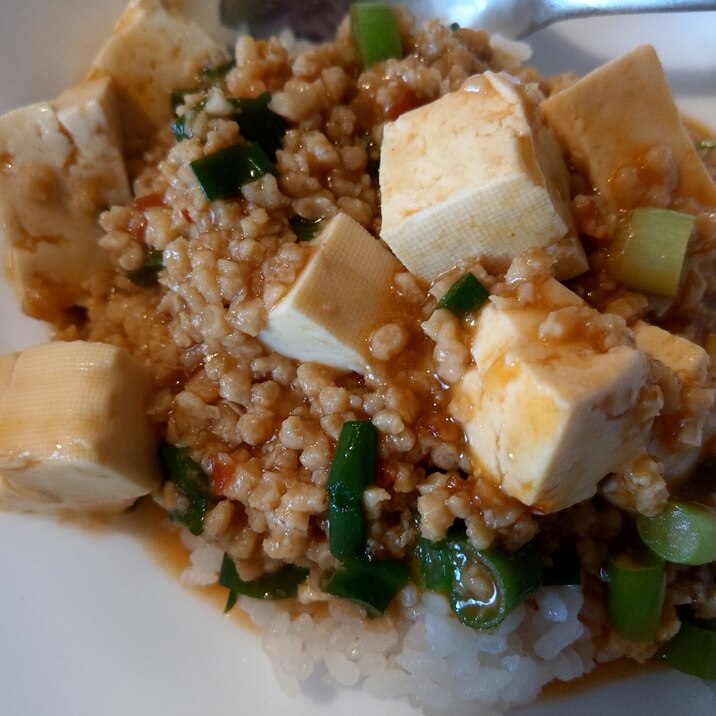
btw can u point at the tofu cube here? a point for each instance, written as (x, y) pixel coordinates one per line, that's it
(473, 175)
(7, 363)
(74, 433)
(547, 420)
(610, 118)
(88, 113)
(341, 296)
(687, 359)
(62, 166)
(683, 374)
(151, 52)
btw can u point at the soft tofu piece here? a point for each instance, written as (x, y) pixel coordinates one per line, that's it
(341, 296)
(62, 165)
(74, 433)
(88, 112)
(683, 428)
(687, 359)
(473, 175)
(611, 117)
(7, 363)
(151, 52)
(548, 420)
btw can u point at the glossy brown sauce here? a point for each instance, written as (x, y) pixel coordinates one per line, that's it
(150, 524)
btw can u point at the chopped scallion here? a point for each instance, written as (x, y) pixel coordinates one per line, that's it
(146, 275)
(466, 295)
(192, 482)
(222, 174)
(484, 586)
(636, 585)
(683, 533)
(181, 126)
(259, 123)
(372, 583)
(434, 564)
(352, 470)
(692, 650)
(488, 584)
(282, 584)
(305, 229)
(648, 253)
(375, 32)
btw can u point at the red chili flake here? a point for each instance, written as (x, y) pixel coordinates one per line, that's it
(137, 225)
(148, 201)
(408, 100)
(187, 216)
(221, 474)
(385, 474)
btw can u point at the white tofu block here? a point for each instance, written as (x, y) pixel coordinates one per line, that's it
(89, 113)
(684, 426)
(152, 52)
(548, 420)
(341, 296)
(74, 434)
(473, 175)
(687, 359)
(611, 117)
(7, 363)
(62, 166)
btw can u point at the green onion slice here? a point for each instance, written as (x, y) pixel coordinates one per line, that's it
(648, 254)
(375, 32)
(684, 533)
(259, 123)
(222, 174)
(352, 470)
(146, 275)
(372, 583)
(692, 650)
(466, 295)
(434, 564)
(282, 584)
(435, 567)
(189, 479)
(488, 584)
(182, 125)
(305, 229)
(635, 594)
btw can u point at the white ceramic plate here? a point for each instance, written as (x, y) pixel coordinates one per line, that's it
(90, 624)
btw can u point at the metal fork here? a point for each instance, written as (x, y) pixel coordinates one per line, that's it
(316, 19)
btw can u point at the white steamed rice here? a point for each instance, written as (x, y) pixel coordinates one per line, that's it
(424, 655)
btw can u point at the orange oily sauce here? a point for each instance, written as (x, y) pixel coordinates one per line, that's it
(151, 525)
